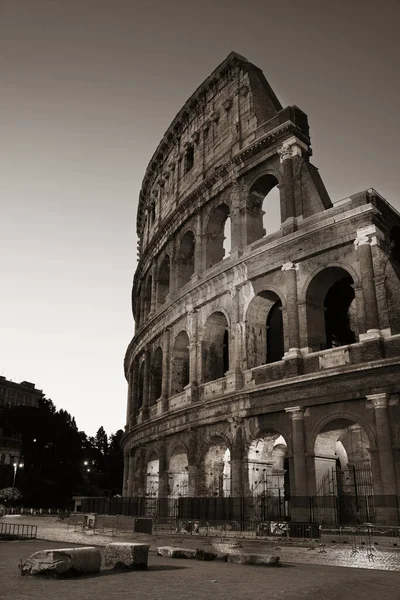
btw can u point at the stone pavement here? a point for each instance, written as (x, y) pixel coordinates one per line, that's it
(183, 579)
(345, 555)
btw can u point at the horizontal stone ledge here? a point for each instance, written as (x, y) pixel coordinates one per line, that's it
(176, 552)
(63, 561)
(124, 555)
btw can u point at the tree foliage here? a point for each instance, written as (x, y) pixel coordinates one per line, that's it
(10, 495)
(54, 453)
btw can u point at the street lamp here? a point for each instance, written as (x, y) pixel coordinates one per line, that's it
(16, 466)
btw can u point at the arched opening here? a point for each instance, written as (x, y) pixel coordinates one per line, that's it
(185, 262)
(265, 335)
(217, 471)
(216, 235)
(343, 471)
(147, 297)
(163, 283)
(215, 347)
(156, 376)
(180, 363)
(140, 386)
(178, 477)
(227, 237)
(331, 310)
(263, 215)
(268, 477)
(152, 476)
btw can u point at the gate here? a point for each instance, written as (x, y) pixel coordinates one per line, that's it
(346, 496)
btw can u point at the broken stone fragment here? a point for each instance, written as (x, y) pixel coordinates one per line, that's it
(205, 554)
(62, 561)
(254, 559)
(126, 556)
(176, 552)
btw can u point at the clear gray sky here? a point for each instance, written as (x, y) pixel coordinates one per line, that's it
(87, 89)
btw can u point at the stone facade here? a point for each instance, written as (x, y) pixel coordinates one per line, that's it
(263, 368)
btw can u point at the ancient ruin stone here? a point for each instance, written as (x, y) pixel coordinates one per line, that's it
(62, 562)
(254, 559)
(176, 552)
(126, 555)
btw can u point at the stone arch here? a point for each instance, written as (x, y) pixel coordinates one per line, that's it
(180, 363)
(263, 206)
(346, 415)
(156, 375)
(152, 473)
(163, 280)
(268, 470)
(217, 466)
(265, 335)
(344, 467)
(215, 346)
(185, 258)
(214, 234)
(178, 471)
(331, 308)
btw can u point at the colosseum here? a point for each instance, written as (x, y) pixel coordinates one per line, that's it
(263, 374)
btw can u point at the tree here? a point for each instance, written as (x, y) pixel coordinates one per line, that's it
(10, 495)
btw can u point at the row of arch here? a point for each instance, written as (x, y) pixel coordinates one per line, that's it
(262, 217)
(332, 321)
(341, 443)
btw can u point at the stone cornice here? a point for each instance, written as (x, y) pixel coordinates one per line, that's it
(252, 401)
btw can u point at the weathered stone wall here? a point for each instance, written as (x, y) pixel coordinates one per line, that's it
(294, 334)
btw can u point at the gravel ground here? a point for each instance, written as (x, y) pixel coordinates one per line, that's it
(380, 558)
(189, 579)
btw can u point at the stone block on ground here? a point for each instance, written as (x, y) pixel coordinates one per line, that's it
(205, 554)
(176, 552)
(227, 547)
(255, 559)
(63, 561)
(120, 555)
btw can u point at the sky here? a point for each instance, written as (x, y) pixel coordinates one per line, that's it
(87, 90)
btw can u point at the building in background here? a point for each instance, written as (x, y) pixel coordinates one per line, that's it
(266, 356)
(14, 394)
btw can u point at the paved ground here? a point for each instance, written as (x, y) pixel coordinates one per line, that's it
(195, 580)
(330, 555)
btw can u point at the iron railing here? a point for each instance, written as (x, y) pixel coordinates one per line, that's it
(18, 531)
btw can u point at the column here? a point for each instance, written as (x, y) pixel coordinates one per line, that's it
(192, 481)
(299, 495)
(165, 371)
(126, 475)
(192, 327)
(153, 305)
(364, 254)
(292, 307)
(131, 474)
(146, 386)
(134, 394)
(384, 442)
(129, 406)
(386, 505)
(237, 240)
(286, 153)
(162, 470)
(198, 250)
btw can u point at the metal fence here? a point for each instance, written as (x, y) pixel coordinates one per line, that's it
(17, 531)
(330, 510)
